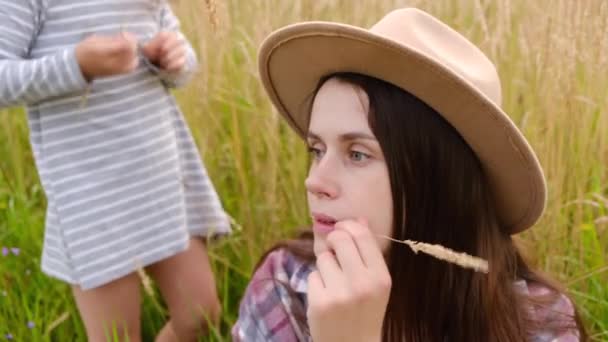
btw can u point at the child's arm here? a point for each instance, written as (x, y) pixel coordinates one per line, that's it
(169, 22)
(24, 80)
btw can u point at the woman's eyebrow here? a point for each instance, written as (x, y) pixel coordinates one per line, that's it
(356, 135)
(345, 137)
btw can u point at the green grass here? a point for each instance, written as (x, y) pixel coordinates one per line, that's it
(552, 56)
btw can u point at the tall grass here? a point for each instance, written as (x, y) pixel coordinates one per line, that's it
(552, 56)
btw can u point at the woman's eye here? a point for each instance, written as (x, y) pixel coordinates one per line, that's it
(315, 152)
(358, 156)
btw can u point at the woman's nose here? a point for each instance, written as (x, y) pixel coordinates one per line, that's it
(321, 179)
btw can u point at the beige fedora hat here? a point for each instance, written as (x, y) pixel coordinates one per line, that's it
(416, 52)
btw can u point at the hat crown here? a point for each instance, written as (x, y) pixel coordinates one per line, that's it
(417, 53)
(422, 32)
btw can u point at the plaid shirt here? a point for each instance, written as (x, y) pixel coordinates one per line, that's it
(269, 309)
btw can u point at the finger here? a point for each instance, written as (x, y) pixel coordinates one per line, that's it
(169, 59)
(347, 252)
(128, 36)
(173, 45)
(367, 244)
(130, 39)
(151, 51)
(172, 49)
(174, 54)
(153, 48)
(316, 293)
(330, 271)
(176, 66)
(166, 61)
(119, 44)
(315, 283)
(162, 37)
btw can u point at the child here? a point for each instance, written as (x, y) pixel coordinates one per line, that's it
(408, 141)
(125, 184)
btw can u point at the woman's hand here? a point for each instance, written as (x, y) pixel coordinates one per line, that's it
(349, 292)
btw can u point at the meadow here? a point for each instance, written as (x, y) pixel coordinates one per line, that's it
(552, 56)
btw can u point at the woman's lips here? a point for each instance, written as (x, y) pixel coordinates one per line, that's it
(323, 224)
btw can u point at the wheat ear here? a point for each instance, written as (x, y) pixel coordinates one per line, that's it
(446, 254)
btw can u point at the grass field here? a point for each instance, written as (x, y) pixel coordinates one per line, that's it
(552, 56)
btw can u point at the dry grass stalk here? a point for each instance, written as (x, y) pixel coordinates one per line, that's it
(146, 281)
(147, 285)
(446, 254)
(56, 322)
(212, 9)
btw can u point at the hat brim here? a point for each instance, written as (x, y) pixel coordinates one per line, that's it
(292, 60)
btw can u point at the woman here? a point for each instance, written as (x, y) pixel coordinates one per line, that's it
(408, 141)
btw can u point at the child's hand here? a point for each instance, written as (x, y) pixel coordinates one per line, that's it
(167, 51)
(349, 292)
(100, 56)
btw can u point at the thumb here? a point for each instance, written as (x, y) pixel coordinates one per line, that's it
(129, 38)
(151, 49)
(124, 42)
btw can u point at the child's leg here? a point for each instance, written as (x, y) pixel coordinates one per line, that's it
(111, 309)
(188, 287)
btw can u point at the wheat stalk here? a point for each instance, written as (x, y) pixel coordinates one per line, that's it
(212, 9)
(446, 254)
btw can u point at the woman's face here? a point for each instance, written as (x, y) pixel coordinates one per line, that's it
(348, 177)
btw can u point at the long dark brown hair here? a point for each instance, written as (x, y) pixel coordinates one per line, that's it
(441, 196)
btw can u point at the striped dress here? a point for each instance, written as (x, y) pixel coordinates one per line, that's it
(123, 178)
